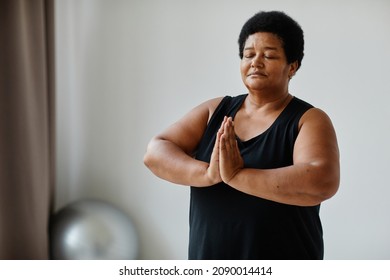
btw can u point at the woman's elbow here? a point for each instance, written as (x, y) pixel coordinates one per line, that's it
(149, 157)
(328, 184)
(147, 160)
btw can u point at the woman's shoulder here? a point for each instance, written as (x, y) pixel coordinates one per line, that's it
(316, 117)
(302, 103)
(309, 113)
(214, 103)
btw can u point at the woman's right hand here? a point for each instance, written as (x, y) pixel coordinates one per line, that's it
(213, 171)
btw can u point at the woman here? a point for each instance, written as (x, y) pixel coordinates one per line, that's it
(259, 164)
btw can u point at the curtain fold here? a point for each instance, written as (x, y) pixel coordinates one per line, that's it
(27, 123)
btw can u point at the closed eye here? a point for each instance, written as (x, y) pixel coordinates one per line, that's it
(271, 56)
(249, 55)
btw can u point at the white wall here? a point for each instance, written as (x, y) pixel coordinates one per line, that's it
(127, 69)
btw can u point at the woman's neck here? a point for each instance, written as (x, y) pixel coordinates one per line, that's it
(267, 102)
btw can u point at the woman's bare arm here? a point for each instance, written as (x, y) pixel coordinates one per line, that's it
(313, 177)
(169, 155)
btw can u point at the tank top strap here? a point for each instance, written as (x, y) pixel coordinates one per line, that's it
(227, 107)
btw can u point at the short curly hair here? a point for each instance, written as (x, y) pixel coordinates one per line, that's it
(280, 24)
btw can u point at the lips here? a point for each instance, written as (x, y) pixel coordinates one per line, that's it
(257, 74)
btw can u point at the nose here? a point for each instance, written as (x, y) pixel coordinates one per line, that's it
(257, 62)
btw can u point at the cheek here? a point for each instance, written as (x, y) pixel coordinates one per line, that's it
(280, 71)
(244, 67)
(285, 72)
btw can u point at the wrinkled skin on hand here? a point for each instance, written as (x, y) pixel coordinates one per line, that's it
(230, 160)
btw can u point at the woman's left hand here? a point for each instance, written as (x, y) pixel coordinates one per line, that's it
(230, 160)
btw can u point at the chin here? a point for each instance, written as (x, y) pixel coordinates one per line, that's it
(255, 87)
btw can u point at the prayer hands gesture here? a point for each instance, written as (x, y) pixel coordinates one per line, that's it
(226, 160)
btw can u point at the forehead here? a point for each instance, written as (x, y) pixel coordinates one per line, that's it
(263, 40)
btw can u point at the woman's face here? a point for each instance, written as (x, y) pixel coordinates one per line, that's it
(264, 66)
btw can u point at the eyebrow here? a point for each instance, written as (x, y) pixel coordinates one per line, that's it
(266, 48)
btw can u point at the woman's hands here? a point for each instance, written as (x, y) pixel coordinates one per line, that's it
(226, 160)
(213, 172)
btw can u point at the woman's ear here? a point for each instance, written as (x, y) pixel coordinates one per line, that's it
(293, 69)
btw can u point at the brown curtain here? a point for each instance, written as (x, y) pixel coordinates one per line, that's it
(26, 127)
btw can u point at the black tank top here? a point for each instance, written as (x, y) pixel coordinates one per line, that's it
(228, 224)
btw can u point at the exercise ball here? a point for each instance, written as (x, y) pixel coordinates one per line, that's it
(92, 230)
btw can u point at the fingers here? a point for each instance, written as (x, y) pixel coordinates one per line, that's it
(213, 169)
(217, 141)
(228, 136)
(225, 154)
(222, 127)
(230, 160)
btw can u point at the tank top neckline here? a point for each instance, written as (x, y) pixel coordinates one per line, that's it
(278, 118)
